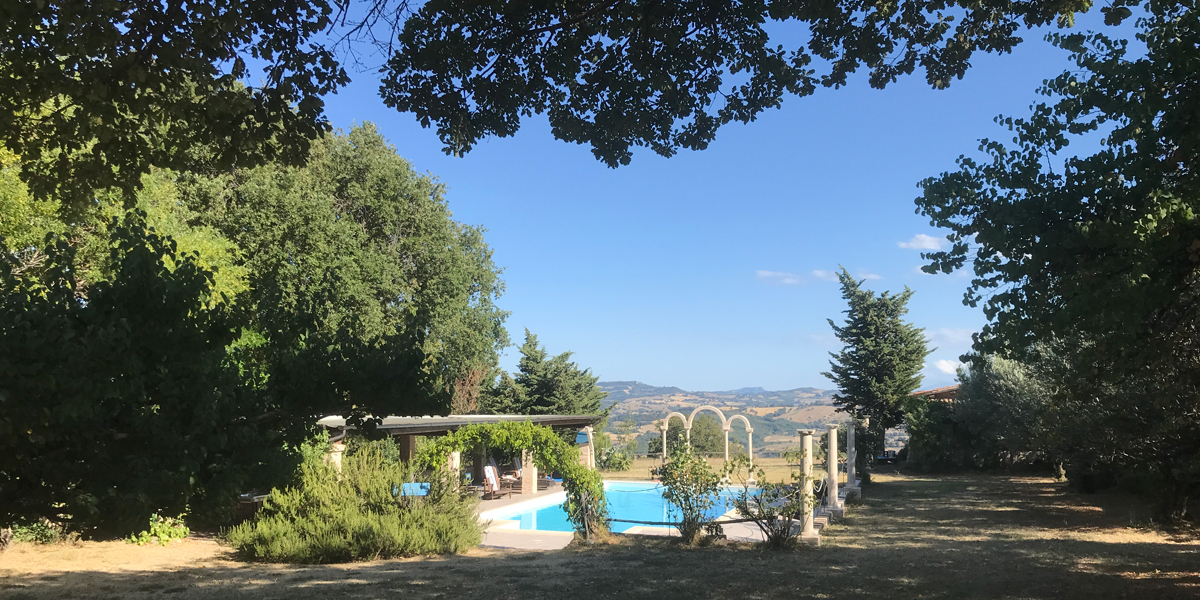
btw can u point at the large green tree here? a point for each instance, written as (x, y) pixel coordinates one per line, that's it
(1099, 250)
(1003, 415)
(125, 401)
(545, 385)
(881, 361)
(1102, 244)
(94, 94)
(367, 296)
(240, 307)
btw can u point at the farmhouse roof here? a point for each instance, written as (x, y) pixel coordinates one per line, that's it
(945, 394)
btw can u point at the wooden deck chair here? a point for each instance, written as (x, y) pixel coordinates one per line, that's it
(509, 481)
(491, 485)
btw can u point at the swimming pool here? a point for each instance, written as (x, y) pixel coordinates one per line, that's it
(632, 500)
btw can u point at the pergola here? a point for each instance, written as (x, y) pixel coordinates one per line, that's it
(406, 430)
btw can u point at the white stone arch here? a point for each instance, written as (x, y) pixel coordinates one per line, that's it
(687, 429)
(664, 425)
(667, 421)
(749, 436)
(692, 417)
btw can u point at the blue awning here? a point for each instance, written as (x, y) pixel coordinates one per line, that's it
(581, 437)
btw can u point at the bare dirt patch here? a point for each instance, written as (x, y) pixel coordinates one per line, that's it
(985, 537)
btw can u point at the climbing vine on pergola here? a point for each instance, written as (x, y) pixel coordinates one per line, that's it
(585, 505)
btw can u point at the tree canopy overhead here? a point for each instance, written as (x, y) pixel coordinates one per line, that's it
(93, 95)
(1103, 244)
(665, 75)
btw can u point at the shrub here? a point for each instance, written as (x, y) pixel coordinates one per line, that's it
(614, 459)
(121, 403)
(39, 532)
(586, 506)
(776, 508)
(163, 530)
(691, 487)
(358, 514)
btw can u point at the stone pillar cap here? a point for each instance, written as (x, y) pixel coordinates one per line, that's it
(806, 431)
(833, 426)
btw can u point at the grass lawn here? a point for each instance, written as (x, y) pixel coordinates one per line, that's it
(912, 537)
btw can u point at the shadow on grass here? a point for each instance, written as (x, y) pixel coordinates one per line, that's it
(945, 537)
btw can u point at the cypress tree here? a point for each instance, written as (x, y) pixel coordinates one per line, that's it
(880, 364)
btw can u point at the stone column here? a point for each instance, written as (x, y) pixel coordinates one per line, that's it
(808, 533)
(529, 473)
(750, 445)
(726, 445)
(453, 464)
(664, 446)
(334, 457)
(831, 462)
(687, 428)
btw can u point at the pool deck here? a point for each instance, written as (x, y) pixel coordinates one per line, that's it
(499, 536)
(516, 497)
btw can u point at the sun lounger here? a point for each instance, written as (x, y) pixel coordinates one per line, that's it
(492, 487)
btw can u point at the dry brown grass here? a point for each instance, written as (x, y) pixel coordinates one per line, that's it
(975, 537)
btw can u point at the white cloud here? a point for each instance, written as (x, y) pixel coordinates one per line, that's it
(949, 367)
(948, 338)
(923, 242)
(825, 275)
(779, 277)
(869, 276)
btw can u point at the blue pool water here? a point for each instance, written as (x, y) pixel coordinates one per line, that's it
(635, 501)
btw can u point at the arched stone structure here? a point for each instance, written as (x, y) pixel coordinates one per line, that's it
(687, 427)
(666, 424)
(726, 427)
(749, 437)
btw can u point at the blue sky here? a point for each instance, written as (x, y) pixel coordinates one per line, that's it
(710, 270)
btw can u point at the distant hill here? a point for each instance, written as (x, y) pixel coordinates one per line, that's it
(746, 391)
(624, 390)
(619, 391)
